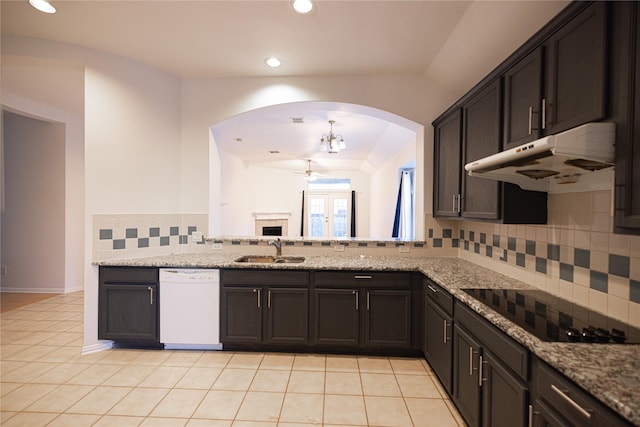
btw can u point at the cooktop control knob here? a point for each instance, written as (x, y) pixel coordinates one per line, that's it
(573, 335)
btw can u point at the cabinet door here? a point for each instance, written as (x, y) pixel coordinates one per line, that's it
(481, 138)
(576, 64)
(627, 216)
(336, 317)
(447, 169)
(128, 312)
(466, 388)
(438, 343)
(543, 416)
(388, 318)
(522, 101)
(240, 315)
(505, 399)
(287, 315)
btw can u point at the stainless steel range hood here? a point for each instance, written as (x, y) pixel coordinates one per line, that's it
(580, 159)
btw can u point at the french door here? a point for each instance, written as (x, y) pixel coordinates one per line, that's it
(328, 215)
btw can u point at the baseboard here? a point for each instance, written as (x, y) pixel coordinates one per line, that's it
(102, 345)
(33, 290)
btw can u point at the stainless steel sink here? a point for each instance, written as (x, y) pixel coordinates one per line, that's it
(267, 259)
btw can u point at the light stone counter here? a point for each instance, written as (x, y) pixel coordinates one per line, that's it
(609, 372)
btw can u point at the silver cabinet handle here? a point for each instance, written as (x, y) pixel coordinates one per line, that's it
(530, 120)
(454, 209)
(544, 113)
(150, 289)
(481, 362)
(362, 277)
(459, 208)
(470, 361)
(357, 294)
(258, 293)
(368, 300)
(563, 395)
(269, 298)
(530, 416)
(444, 331)
(432, 289)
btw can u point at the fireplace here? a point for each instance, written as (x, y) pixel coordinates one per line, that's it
(271, 223)
(272, 230)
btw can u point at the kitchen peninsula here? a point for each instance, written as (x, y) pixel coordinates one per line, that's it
(610, 373)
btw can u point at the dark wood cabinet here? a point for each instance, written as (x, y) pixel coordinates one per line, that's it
(241, 314)
(337, 317)
(575, 79)
(625, 106)
(387, 318)
(505, 398)
(447, 165)
(128, 305)
(466, 387)
(559, 402)
(437, 343)
(363, 310)
(490, 373)
(287, 315)
(523, 101)
(266, 307)
(480, 197)
(561, 83)
(471, 133)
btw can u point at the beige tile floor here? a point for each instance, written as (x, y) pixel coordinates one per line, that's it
(46, 381)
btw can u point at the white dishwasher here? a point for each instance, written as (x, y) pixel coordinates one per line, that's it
(190, 309)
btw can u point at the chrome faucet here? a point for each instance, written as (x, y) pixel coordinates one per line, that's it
(278, 244)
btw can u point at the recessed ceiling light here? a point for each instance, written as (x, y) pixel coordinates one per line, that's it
(273, 62)
(303, 6)
(43, 6)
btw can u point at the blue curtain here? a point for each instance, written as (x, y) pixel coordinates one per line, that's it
(403, 223)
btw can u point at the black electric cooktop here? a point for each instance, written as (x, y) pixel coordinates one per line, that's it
(551, 318)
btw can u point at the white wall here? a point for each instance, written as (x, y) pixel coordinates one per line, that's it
(250, 189)
(33, 221)
(53, 90)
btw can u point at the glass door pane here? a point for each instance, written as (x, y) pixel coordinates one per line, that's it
(318, 216)
(339, 217)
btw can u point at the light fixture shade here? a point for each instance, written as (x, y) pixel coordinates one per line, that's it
(302, 6)
(331, 142)
(43, 6)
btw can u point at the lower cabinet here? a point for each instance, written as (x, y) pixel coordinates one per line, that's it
(264, 307)
(437, 342)
(490, 373)
(558, 402)
(356, 310)
(128, 305)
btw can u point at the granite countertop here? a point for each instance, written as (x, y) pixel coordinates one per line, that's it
(610, 372)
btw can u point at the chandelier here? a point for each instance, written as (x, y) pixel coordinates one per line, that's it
(330, 142)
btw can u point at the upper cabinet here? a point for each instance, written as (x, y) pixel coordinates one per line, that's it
(555, 81)
(466, 134)
(575, 72)
(561, 83)
(624, 103)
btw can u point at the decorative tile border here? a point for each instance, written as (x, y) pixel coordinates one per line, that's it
(136, 235)
(543, 258)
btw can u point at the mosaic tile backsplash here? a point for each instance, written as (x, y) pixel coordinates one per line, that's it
(138, 235)
(575, 256)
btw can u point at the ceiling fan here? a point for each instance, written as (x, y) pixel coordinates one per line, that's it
(309, 175)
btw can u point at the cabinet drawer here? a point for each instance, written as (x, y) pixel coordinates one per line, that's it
(128, 275)
(439, 296)
(362, 278)
(264, 277)
(570, 401)
(510, 352)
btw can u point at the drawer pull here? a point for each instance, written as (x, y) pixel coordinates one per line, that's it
(570, 401)
(432, 289)
(363, 277)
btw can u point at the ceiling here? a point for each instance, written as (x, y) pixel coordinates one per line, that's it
(454, 43)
